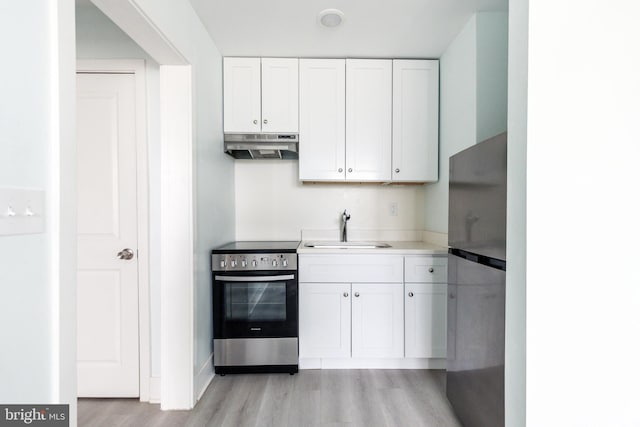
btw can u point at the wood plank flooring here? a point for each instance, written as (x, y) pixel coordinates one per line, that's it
(368, 398)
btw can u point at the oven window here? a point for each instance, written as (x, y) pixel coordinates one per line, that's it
(256, 302)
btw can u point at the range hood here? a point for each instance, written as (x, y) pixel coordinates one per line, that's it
(261, 145)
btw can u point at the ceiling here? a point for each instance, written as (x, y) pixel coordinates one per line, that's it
(371, 28)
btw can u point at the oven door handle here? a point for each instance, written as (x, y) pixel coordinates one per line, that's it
(255, 278)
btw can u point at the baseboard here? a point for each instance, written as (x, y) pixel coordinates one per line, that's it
(353, 363)
(154, 390)
(204, 377)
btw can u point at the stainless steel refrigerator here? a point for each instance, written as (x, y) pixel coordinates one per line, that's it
(476, 282)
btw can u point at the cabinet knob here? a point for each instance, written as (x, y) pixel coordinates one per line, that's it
(350, 170)
(357, 294)
(410, 294)
(265, 121)
(255, 122)
(397, 170)
(430, 269)
(346, 294)
(340, 170)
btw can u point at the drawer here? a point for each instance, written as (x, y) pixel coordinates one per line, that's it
(350, 268)
(425, 269)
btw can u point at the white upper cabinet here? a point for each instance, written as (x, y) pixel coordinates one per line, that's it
(322, 119)
(242, 95)
(279, 94)
(360, 119)
(368, 119)
(415, 120)
(261, 95)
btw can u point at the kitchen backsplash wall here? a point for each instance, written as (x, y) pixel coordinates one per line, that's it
(272, 204)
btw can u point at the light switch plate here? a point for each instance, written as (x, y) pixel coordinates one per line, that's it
(21, 211)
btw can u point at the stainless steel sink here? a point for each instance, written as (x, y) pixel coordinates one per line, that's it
(347, 245)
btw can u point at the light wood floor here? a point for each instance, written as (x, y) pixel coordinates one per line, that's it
(310, 398)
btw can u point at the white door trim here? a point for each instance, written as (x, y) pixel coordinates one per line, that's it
(176, 242)
(137, 68)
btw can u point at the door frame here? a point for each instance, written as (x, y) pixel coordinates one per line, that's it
(137, 68)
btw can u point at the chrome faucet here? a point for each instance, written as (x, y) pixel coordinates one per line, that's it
(343, 226)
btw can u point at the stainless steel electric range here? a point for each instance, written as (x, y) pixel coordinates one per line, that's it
(255, 307)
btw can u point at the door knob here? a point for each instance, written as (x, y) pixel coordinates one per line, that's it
(125, 254)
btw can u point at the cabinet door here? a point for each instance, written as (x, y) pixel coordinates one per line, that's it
(368, 127)
(325, 320)
(242, 94)
(322, 121)
(377, 320)
(279, 94)
(425, 320)
(415, 120)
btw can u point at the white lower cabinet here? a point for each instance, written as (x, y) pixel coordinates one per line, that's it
(325, 320)
(425, 302)
(356, 311)
(377, 317)
(344, 320)
(425, 327)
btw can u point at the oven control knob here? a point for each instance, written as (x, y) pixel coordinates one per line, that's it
(223, 264)
(254, 263)
(233, 263)
(274, 263)
(285, 263)
(243, 263)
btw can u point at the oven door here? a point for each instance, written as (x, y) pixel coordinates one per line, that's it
(256, 305)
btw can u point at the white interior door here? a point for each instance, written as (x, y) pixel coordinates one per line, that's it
(108, 355)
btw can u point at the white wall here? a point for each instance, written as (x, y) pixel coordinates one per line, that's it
(515, 304)
(37, 149)
(271, 204)
(213, 190)
(25, 133)
(457, 119)
(473, 101)
(97, 37)
(491, 62)
(583, 280)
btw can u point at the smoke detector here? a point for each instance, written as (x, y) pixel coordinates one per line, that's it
(331, 17)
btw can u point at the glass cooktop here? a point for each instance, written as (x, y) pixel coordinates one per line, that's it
(258, 247)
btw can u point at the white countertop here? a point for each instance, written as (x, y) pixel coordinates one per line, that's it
(397, 248)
